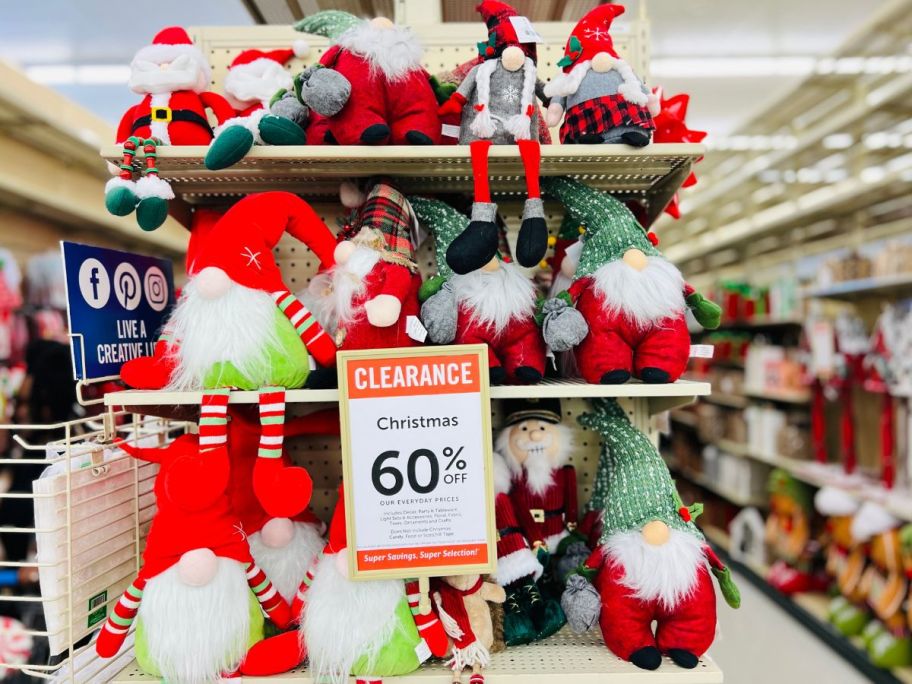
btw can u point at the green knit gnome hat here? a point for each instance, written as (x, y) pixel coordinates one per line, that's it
(444, 222)
(611, 228)
(328, 23)
(640, 488)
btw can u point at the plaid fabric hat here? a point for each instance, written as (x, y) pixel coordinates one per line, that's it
(639, 486)
(386, 212)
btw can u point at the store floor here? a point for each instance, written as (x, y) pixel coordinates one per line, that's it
(761, 644)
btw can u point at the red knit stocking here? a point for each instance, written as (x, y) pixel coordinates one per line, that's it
(115, 629)
(530, 151)
(268, 597)
(480, 149)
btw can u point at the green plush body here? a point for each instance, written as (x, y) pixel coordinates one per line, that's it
(141, 645)
(289, 363)
(398, 656)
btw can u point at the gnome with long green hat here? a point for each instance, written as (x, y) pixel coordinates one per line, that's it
(493, 305)
(652, 563)
(632, 300)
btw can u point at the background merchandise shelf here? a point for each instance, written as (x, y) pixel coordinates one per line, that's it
(864, 287)
(564, 657)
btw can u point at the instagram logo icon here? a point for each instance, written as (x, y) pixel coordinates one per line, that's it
(155, 287)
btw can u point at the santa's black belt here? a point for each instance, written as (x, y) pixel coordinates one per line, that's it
(186, 115)
(550, 514)
(503, 532)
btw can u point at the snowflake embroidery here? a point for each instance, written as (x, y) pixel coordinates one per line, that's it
(596, 33)
(252, 257)
(511, 93)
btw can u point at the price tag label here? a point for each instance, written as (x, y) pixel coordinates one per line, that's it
(416, 459)
(525, 32)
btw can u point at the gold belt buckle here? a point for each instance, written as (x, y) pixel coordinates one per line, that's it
(538, 514)
(161, 114)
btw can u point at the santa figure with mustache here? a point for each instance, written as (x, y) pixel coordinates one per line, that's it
(173, 76)
(630, 302)
(493, 305)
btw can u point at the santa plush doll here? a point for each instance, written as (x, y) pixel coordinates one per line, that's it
(365, 300)
(604, 101)
(370, 84)
(254, 79)
(173, 76)
(366, 629)
(497, 101)
(652, 564)
(494, 305)
(199, 594)
(630, 302)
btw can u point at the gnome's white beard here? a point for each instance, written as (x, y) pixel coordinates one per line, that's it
(286, 566)
(258, 81)
(495, 298)
(538, 466)
(345, 620)
(666, 573)
(195, 634)
(184, 73)
(648, 296)
(330, 296)
(239, 327)
(394, 51)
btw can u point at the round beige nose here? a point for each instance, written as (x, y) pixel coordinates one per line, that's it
(635, 258)
(343, 251)
(277, 532)
(656, 533)
(381, 23)
(491, 266)
(602, 63)
(537, 436)
(196, 568)
(512, 58)
(212, 282)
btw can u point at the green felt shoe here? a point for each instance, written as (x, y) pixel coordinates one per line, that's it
(228, 148)
(518, 627)
(276, 130)
(151, 212)
(120, 198)
(889, 651)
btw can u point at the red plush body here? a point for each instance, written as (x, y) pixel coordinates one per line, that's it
(384, 279)
(195, 132)
(557, 504)
(408, 104)
(626, 621)
(519, 344)
(615, 342)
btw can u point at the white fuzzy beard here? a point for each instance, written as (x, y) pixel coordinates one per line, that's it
(184, 73)
(394, 51)
(258, 81)
(195, 634)
(538, 466)
(495, 298)
(330, 295)
(345, 620)
(238, 327)
(287, 565)
(665, 573)
(648, 296)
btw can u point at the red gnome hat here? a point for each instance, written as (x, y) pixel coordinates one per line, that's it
(193, 511)
(591, 36)
(501, 33)
(169, 44)
(338, 535)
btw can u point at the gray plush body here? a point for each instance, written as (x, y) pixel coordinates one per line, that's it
(594, 85)
(505, 101)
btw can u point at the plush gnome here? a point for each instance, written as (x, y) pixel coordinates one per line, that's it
(462, 602)
(630, 301)
(790, 536)
(651, 564)
(198, 595)
(370, 629)
(370, 85)
(604, 101)
(173, 76)
(254, 78)
(494, 305)
(497, 100)
(365, 300)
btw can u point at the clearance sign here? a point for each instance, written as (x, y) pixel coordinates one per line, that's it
(416, 458)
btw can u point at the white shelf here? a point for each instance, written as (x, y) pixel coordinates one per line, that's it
(708, 483)
(565, 657)
(782, 396)
(863, 287)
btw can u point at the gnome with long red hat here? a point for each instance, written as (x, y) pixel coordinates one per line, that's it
(498, 101)
(370, 630)
(604, 101)
(199, 594)
(173, 76)
(254, 78)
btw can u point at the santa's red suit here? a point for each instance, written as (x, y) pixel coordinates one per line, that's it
(545, 516)
(177, 118)
(515, 559)
(385, 278)
(406, 104)
(519, 344)
(616, 342)
(626, 621)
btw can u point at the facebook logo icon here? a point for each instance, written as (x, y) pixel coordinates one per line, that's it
(94, 283)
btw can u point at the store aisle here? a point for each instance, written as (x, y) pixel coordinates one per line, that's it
(761, 644)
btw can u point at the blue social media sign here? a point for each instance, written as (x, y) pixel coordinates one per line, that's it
(116, 303)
